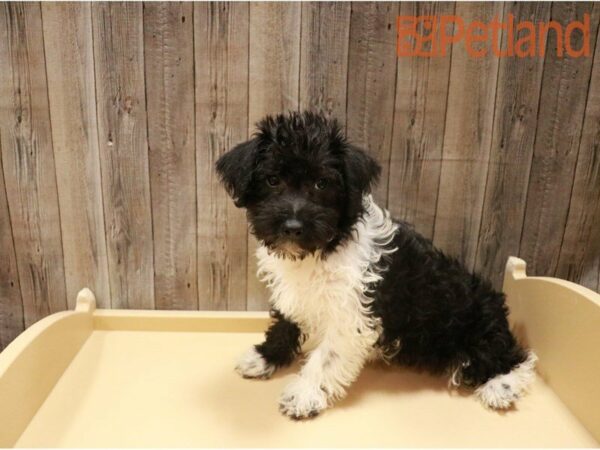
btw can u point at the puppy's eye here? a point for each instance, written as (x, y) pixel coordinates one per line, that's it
(273, 180)
(321, 184)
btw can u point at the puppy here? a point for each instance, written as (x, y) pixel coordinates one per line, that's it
(350, 284)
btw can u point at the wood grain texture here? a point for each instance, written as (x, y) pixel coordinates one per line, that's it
(122, 130)
(515, 121)
(324, 57)
(169, 62)
(563, 99)
(418, 129)
(467, 141)
(11, 302)
(221, 55)
(579, 257)
(28, 161)
(274, 60)
(112, 116)
(371, 83)
(274, 63)
(71, 88)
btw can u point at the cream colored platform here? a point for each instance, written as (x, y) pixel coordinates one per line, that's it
(106, 378)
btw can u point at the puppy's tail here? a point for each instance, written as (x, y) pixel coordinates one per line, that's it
(501, 391)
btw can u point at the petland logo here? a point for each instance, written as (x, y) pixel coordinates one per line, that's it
(430, 36)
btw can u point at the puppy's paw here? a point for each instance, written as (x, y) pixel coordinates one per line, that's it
(502, 391)
(252, 365)
(302, 400)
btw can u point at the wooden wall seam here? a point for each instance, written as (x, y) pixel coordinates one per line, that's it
(196, 210)
(109, 302)
(12, 319)
(53, 146)
(147, 151)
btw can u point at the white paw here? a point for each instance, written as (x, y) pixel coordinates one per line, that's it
(301, 399)
(502, 391)
(253, 365)
(496, 394)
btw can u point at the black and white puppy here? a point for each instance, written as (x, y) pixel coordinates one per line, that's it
(349, 284)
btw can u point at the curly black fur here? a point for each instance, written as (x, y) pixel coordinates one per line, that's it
(435, 314)
(443, 316)
(282, 341)
(299, 149)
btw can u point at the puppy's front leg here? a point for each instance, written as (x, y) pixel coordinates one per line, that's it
(281, 345)
(329, 370)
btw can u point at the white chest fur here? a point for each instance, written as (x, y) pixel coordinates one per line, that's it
(329, 295)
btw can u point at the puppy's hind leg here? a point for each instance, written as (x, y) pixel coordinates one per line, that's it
(281, 345)
(500, 370)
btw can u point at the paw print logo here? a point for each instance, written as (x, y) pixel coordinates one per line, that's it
(417, 36)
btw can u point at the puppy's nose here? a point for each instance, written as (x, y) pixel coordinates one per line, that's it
(292, 228)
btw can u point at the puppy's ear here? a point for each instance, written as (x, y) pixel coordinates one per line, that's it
(362, 171)
(235, 169)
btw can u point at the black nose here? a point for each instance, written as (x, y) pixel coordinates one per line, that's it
(292, 228)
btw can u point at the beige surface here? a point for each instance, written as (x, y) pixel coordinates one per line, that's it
(179, 389)
(94, 378)
(31, 365)
(561, 321)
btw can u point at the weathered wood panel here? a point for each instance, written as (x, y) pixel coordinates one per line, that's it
(169, 61)
(274, 63)
(28, 161)
(419, 120)
(11, 302)
(107, 166)
(122, 130)
(515, 121)
(274, 60)
(563, 97)
(324, 57)
(71, 89)
(221, 55)
(579, 257)
(371, 83)
(467, 141)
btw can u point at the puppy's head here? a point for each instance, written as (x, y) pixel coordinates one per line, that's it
(301, 183)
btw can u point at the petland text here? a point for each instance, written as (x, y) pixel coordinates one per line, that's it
(430, 36)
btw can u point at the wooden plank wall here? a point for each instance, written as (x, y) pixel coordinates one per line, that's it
(113, 114)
